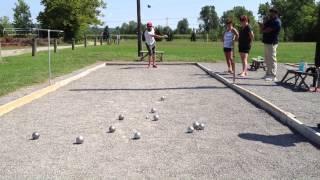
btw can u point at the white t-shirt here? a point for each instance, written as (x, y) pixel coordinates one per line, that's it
(149, 39)
(228, 39)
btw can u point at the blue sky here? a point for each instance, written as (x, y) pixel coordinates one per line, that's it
(162, 12)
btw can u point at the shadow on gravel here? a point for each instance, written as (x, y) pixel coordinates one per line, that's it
(284, 140)
(152, 89)
(246, 84)
(292, 87)
(244, 78)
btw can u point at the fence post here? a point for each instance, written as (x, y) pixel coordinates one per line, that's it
(73, 42)
(85, 41)
(55, 43)
(101, 40)
(95, 41)
(34, 46)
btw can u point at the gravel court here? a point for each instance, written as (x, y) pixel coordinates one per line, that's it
(239, 141)
(304, 105)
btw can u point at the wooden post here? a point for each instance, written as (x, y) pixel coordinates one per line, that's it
(101, 40)
(95, 41)
(55, 43)
(34, 46)
(85, 41)
(73, 42)
(139, 27)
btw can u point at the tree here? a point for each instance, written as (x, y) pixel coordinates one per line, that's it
(263, 11)
(183, 27)
(129, 28)
(22, 15)
(72, 16)
(169, 32)
(235, 15)
(298, 17)
(209, 17)
(4, 23)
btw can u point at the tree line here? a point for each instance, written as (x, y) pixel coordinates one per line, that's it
(76, 17)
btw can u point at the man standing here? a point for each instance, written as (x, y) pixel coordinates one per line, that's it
(271, 30)
(149, 36)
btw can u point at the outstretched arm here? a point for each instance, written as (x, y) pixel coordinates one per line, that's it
(158, 36)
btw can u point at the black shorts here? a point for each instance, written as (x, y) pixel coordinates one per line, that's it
(227, 49)
(244, 49)
(151, 49)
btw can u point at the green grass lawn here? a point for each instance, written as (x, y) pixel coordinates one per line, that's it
(24, 70)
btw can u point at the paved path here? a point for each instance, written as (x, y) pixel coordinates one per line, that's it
(240, 141)
(304, 105)
(15, 52)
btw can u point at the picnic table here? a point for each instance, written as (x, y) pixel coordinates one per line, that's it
(159, 54)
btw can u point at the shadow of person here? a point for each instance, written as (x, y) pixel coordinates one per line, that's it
(284, 140)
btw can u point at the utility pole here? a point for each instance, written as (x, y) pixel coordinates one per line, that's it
(139, 27)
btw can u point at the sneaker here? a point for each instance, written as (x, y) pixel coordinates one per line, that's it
(274, 79)
(154, 66)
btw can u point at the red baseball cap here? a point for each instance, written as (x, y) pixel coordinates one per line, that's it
(149, 24)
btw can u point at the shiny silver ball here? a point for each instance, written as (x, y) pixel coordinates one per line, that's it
(121, 117)
(153, 110)
(190, 129)
(156, 117)
(201, 126)
(196, 125)
(112, 129)
(79, 140)
(137, 135)
(35, 135)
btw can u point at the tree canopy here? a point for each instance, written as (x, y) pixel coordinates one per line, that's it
(298, 17)
(72, 16)
(183, 27)
(209, 17)
(22, 15)
(4, 23)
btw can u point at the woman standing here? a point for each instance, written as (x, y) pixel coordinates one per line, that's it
(229, 36)
(246, 37)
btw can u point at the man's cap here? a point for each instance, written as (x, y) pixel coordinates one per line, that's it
(149, 24)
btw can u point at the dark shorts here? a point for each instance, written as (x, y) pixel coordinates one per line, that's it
(227, 49)
(151, 49)
(244, 49)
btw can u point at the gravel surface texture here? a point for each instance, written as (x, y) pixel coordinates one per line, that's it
(239, 141)
(304, 105)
